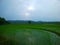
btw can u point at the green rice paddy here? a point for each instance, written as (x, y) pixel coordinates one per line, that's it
(30, 34)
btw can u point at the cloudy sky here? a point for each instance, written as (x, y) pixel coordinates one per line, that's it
(37, 10)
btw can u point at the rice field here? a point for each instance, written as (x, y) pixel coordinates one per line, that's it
(30, 34)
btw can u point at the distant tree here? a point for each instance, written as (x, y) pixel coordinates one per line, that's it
(29, 22)
(3, 21)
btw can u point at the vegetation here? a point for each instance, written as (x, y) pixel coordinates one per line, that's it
(29, 22)
(23, 31)
(29, 33)
(49, 27)
(3, 21)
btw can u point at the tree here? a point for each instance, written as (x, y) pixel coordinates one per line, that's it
(3, 21)
(29, 22)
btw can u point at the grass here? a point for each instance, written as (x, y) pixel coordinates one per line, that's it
(38, 34)
(55, 28)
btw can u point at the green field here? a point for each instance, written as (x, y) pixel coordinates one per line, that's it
(30, 34)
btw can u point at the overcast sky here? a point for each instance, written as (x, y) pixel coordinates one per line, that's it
(37, 10)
